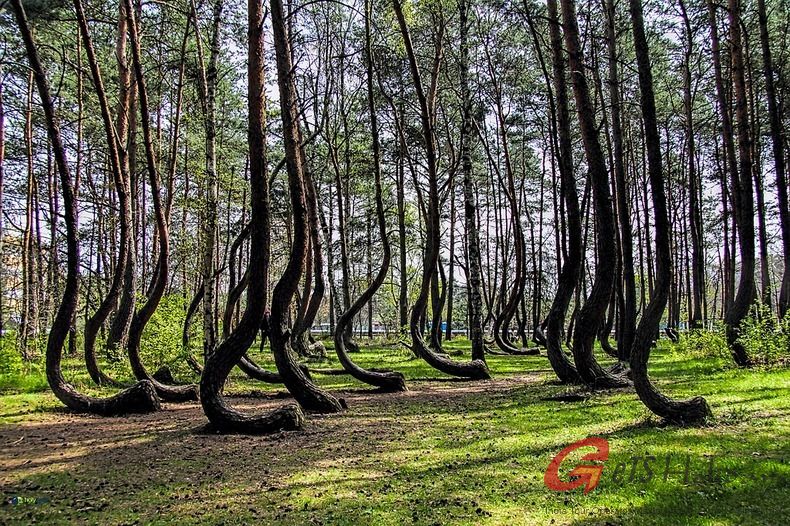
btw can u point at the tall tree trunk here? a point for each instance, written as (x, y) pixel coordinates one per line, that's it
(475, 369)
(208, 88)
(743, 197)
(96, 321)
(309, 395)
(451, 273)
(345, 284)
(139, 398)
(161, 273)
(627, 312)
(474, 293)
(511, 294)
(592, 313)
(694, 187)
(384, 380)
(300, 338)
(687, 410)
(757, 175)
(570, 259)
(731, 168)
(124, 120)
(29, 318)
(403, 289)
(219, 364)
(778, 149)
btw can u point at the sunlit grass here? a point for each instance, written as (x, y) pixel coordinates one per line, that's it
(463, 456)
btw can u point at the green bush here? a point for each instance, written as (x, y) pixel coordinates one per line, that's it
(704, 343)
(17, 374)
(161, 341)
(10, 360)
(765, 337)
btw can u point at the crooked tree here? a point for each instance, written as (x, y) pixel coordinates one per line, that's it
(142, 396)
(476, 369)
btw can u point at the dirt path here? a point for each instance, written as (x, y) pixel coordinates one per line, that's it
(85, 463)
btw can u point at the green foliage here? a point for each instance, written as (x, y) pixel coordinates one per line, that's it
(704, 344)
(10, 359)
(17, 374)
(766, 337)
(161, 342)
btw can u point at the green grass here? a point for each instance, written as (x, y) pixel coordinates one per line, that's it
(446, 453)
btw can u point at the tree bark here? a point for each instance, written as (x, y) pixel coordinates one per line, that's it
(677, 411)
(778, 149)
(476, 369)
(230, 351)
(571, 268)
(627, 313)
(160, 278)
(694, 188)
(743, 197)
(474, 293)
(119, 328)
(593, 311)
(309, 395)
(95, 322)
(139, 398)
(208, 87)
(386, 381)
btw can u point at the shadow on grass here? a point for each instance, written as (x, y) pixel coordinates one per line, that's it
(446, 453)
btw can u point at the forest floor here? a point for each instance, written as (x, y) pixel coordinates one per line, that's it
(445, 452)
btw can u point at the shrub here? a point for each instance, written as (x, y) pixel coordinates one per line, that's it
(765, 337)
(10, 359)
(17, 374)
(161, 341)
(704, 343)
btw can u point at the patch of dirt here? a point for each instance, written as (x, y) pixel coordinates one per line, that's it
(118, 458)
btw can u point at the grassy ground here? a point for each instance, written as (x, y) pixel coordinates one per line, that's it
(446, 452)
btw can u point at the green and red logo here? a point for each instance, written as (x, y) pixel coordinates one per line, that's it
(587, 475)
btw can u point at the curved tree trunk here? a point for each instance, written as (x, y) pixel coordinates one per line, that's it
(593, 311)
(511, 295)
(300, 339)
(235, 290)
(95, 322)
(571, 268)
(119, 327)
(476, 369)
(232, 349)
(385, 380)
(143, 315)
(139, 398)
(676, 411)
(309, 395)
(246, 364)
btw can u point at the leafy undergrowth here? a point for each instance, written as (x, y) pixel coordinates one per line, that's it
(446, 452)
